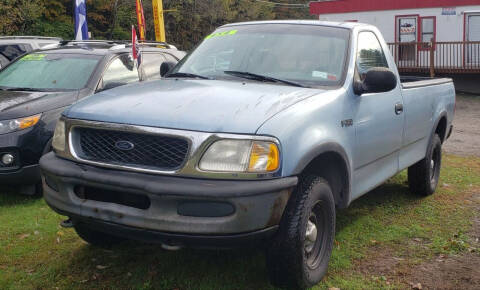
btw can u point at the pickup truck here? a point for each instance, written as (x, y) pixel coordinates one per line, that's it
(256, 137)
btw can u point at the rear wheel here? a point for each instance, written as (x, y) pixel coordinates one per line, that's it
(300, 252)
(96, 238)
(423, 176)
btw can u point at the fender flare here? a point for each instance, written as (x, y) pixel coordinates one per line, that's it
(435, 125)
(329, 147)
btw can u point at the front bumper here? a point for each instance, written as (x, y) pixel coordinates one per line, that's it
(27, 147)
(257, 205)
(25, 175)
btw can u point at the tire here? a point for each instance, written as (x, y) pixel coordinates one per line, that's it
(294, 260)
(96, 238)
(423, 176)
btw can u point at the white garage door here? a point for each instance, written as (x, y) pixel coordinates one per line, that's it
(473, 34)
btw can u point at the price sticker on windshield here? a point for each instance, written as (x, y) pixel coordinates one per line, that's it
(224, 33)
(33, 57)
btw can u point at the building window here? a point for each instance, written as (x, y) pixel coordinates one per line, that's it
(428, 33)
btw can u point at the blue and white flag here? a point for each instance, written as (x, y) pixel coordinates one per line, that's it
(81, 28)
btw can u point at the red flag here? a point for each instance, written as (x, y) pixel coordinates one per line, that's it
(141, 20)
(135, 48)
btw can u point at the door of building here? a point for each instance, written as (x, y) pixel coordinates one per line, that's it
(407, 36)
(473, 34)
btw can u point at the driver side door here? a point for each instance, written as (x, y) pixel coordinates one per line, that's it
(377, 119)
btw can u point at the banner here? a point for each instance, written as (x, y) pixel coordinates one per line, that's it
(80, 13)
(158, 20)
(141, 20)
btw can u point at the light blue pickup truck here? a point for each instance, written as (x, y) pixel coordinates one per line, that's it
(257, 136)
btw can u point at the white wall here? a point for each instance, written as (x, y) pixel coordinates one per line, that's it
(449, 27)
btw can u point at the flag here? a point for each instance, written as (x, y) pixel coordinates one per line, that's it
(136, 52)
(81, 28)
(141, 20)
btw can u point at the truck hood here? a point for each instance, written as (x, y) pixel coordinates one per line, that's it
(197, 105)
(16, 104)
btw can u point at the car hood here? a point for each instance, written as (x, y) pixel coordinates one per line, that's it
(16, 104)
(197, 105)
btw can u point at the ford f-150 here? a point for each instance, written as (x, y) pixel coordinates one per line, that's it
(257, 135)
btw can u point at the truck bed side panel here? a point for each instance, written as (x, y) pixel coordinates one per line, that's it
(424, 102)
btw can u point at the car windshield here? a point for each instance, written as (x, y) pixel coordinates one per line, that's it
(310, 55)
(39, 71)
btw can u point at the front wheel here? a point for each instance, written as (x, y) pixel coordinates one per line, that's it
(423, 176)
(300, 252)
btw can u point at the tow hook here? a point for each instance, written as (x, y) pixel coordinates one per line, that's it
(68, 223)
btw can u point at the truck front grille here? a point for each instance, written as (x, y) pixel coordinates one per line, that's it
(131, 149)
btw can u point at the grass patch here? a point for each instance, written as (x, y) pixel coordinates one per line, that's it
(36, 253)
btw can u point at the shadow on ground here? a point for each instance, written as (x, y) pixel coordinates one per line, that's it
(10, 196)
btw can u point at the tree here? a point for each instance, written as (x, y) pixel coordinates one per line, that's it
(112, 19)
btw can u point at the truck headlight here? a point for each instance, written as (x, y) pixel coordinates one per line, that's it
(9, 126)
(241, 156)
(58, 141)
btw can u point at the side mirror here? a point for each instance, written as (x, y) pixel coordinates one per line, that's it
(165, 67)
(377, 80)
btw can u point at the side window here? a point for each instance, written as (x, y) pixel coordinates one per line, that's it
(120, 71)
(369, 54)
(151, 65)
(12, 51)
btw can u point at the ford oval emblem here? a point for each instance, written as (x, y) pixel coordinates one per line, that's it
(124, 145)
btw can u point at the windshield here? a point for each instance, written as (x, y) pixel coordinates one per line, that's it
(49, 72)
(310, 55)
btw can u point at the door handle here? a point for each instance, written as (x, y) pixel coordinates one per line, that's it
(398, 108)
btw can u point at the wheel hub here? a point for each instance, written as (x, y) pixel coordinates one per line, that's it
(310, 236)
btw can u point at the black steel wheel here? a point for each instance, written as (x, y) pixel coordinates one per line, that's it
(423, 176)
(299, 255)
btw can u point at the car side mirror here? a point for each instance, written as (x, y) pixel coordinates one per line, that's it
(165, 67)
(377, 80)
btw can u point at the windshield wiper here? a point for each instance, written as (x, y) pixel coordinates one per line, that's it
(23, 89)
(186, 75)
(252, 76)
(32, 89)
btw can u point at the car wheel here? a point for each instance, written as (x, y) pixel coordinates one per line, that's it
(301, 249)
(96, 238)
(423, 176)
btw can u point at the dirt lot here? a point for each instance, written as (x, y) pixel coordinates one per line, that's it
(465, 139)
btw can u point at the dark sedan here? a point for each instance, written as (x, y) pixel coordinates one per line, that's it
(36, 88)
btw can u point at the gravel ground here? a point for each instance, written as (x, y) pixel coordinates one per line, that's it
(465, 139)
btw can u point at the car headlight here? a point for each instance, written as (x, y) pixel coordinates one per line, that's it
(8, 126)
(58, 141)
(241, 156)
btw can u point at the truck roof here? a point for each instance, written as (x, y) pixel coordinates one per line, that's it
(347, 25)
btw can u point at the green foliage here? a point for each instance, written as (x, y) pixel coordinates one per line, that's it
(112, 19)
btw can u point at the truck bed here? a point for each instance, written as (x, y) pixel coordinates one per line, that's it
(410, 82)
